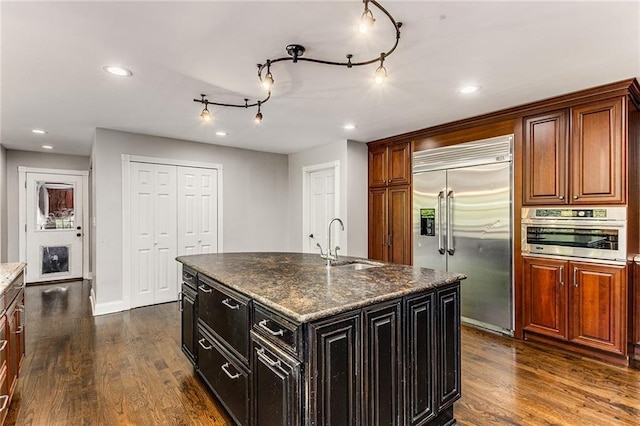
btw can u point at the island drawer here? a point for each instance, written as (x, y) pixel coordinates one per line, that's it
(226, 313)
(189, 276)
(277, 329)
(12, 291)
(225, 375)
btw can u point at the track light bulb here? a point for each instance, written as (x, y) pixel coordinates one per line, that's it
(206, 115)
(258, 118)
(367, 20)
(267, 82)
(380, 75)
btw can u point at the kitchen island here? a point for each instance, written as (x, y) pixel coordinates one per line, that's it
(281, 339)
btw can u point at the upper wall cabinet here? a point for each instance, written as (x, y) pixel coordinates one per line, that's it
(576, 155)
(390, 165)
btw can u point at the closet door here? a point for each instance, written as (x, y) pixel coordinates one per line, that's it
(197, 210)
(153, 229)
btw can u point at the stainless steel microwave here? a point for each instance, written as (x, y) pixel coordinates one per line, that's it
(591, 233)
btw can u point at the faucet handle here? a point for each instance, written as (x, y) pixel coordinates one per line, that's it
(322, 255)
(336, 252)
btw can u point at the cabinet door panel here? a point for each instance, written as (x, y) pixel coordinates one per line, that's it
(378, 224)
(381, 369)
(400, 225)
(335, 356)
(419, 359)
(545, 299)
(448, 355)
(188, 307)
(399, 164)
(597, 152)
(378, 166)
(598, 301)
(545, 158)
(276, 385)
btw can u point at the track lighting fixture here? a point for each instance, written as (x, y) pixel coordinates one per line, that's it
(205, 114)
(296, 52)
(381, 72)
(367, 19)
(258, 118)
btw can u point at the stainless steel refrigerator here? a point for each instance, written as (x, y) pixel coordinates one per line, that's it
(462, 210)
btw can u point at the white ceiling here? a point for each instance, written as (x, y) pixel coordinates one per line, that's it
(53, 52)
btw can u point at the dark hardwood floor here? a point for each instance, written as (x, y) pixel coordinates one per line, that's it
(127, 369)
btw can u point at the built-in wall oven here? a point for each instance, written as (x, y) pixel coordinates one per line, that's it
(590, 233)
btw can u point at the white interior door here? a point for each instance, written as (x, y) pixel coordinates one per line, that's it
(197, 210)
(54, 234)
(321, 209)
(153, 230)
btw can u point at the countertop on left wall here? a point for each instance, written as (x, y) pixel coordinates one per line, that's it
(9, 272)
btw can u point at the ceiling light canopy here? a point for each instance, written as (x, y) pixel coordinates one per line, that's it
(296, 52)
(117, 70)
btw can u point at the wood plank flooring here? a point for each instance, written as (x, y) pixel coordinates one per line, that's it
(127, 369)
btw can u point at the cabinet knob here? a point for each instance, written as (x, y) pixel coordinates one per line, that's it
(575, 197)
(561, 197)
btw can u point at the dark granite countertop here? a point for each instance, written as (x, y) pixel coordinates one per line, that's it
(301, 287)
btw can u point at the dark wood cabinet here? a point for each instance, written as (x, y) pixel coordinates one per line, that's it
(545, 165)
(598, 154)
(390, 165)
(382, 373)
(419, 388)
(545, 297)
(336, 362)
(583, 162)
(578, 302)
(390, 203)
(598, 297)
(390, 224)
(188, 318)
(275, 384)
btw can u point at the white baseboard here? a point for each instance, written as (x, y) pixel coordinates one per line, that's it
(92, 299)
(109, 307)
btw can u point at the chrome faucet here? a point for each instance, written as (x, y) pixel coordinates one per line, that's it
(329, 256)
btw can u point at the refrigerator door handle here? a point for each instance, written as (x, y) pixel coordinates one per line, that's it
(450, 248)
(440, 234)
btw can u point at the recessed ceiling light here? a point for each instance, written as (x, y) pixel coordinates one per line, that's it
(47, 146)
(221, 133)
(468, 89)
(116, 70)
(349, 126)
(38, 131)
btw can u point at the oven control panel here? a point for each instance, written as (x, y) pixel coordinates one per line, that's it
(572, 213)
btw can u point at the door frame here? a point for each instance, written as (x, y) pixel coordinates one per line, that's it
(22, 211)
(306, 172)
(126, 161)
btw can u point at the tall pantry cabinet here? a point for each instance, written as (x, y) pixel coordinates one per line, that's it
(390, 202)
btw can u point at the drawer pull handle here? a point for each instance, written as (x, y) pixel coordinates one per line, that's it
(19, 331)
(180, 301)
(264, 358)
(201, 341)
(263, 324)
(231, 376)
(227, 302)
(4, 403)
(3, 345)
(204, 289)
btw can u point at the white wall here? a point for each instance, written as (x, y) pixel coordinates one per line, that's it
(353, 190)
(3, 205)
(255, 200)
(15, 159)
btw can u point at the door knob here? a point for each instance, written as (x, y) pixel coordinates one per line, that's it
(561, 197)
(575, 197)
(79, 228)
(78, 235)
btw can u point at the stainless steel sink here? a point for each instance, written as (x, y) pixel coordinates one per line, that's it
(356, 266)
